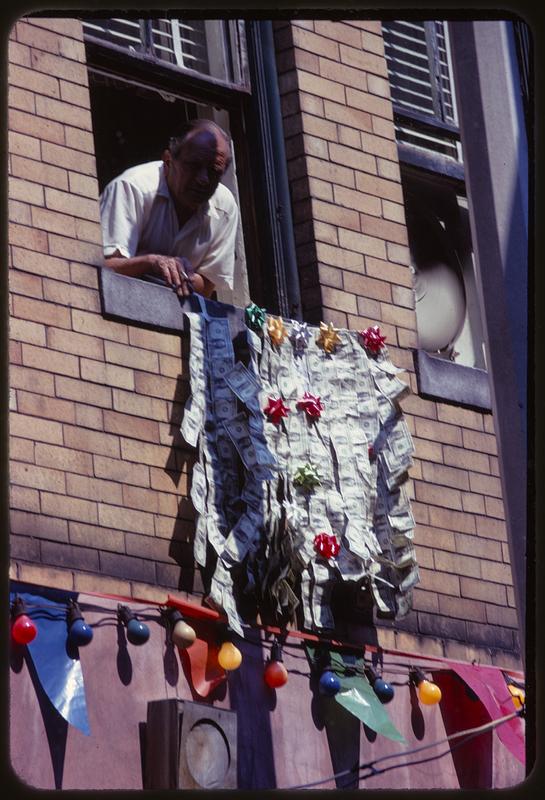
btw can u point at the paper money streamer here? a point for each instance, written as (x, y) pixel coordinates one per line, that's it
(259, 507)
(58, 670)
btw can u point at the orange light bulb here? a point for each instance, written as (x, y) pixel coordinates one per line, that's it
(518, 695)
(428, 693)
(229, 656)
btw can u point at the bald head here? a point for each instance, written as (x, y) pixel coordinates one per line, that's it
(190, 128)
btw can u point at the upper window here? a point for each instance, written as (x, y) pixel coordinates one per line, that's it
(213, 48)
(422, 88)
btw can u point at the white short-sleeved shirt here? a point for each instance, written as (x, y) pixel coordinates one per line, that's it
(138, 217)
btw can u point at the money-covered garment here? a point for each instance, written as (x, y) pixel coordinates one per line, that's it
(258, 511)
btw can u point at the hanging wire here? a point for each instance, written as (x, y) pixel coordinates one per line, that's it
(469, 734)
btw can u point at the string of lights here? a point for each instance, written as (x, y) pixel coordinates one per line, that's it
(465, 736)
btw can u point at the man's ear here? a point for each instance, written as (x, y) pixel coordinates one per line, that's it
(167, 158)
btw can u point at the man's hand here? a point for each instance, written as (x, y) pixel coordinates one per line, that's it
(176, 271)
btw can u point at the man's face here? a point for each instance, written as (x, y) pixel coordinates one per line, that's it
(192, 177)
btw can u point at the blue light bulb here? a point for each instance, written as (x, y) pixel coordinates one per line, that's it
(137, 632)
(80, 633)
(329, 683)
(383, 690)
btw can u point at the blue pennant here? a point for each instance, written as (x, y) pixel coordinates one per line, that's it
(58, 668)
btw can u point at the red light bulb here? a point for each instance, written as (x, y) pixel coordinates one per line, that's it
(23, 630)
(276, 674)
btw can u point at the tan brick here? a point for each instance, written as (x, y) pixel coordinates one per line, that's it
(40, 430)
(341, 301)
(458, 564)
(357, 200)
(338, 31)
(343, 74)
(103, 444)
(501, 616)
(378, 86)
(345, 259)
(19, 212)
(82, 140)
(353, 117)
(21, 449)
(40, 264)
(488, 423)
(72, 93)
(388, 169)
(440, 582)
(50, 361)
(495, 466)
(384, 127)
(92, 393)
(139, 405)
(64, 458)
(379, 187)
(425, 601)
(37, 82)
(25, 331)
(368, 102)
(37, 477)
(44, 174)
(492, 528)
(483, 590)
(26, 192)
(66, 27)
(130, 426)
(32, 125)
(71, 296)
(69, 507)
(15, 351)
(21, 99)
(76, 250)
(51, 42)
(482, 442)
(370, 26)
(494, 508)
(19, 54)
(147, 453)
(94, 489)
(160, 386)
(54, 152)
(24, 236)
(460, 416)
(19, 143)
(320, 86)
(363, 60)
(334, 173)
(67, 203)
(89, 416)
(52, 64)
(131, 356)
(94, 536)
(370, 309)
(402, 317)
(25, 499)
(96, 325)
(173, 481)
(83, 275)
(480, 548)
(108, 374)
(357, 159)
(37, 405)
(483, 484)
(166, 526)
(496, 572)
(307, 40)
(46, 576)
(366, 287)
(153, 340)
(461, 608)
(121, 471)
(125, 519)
(466, 459)
(445, 476)
(34, 380)
(52, 221)
(350, 137)
(438, 495)
(435, 538)
(335, 215)
(361, 243)
(438, 431)
(452, 520)
(101, 583)
(404, 297)
(474, 503)
(83, 185)
(75, 343)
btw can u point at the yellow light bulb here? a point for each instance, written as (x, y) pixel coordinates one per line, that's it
(518, 695)
(229, 656)
(428, 693)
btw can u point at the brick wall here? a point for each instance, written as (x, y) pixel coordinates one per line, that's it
(98, 475)
(98, 471)
(354, 261)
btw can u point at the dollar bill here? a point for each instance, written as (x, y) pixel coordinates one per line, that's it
(245, 385)
(253, 453)
(241, 537)
(198, 491)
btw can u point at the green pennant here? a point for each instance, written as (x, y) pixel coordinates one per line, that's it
(358, 697)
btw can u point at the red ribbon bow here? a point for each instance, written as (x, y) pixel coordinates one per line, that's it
(312, 405)
(326, 545)
(275, 409)
(373, 339)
